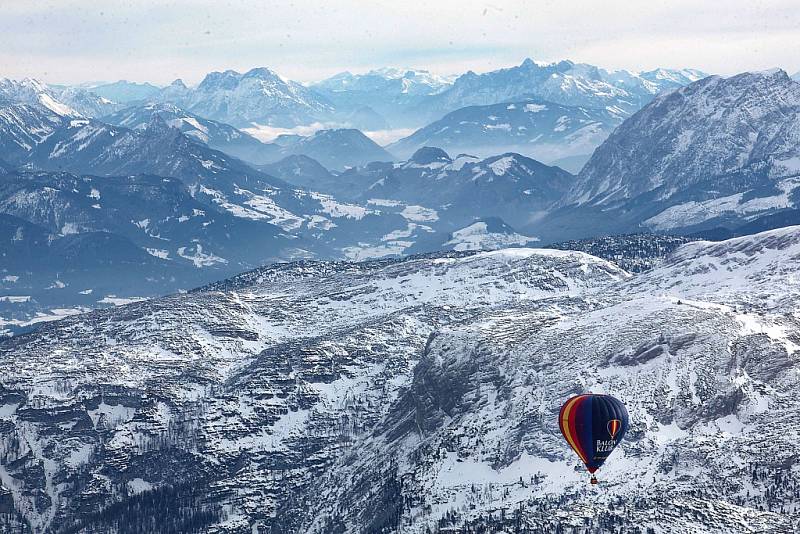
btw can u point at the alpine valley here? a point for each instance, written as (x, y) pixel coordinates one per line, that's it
(254, 305)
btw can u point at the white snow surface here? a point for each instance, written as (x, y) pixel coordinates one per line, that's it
(477, 237)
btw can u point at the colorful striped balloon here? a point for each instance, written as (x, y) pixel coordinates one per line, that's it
(593, 425)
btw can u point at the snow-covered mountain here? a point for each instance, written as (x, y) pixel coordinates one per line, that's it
(306, 397)
(390, 92)
(286, 341)
(216, 135)
(259, 96)
(45, 140)
(222, 184)
(535, 128)
(72, 241)
(337, 148)
(704, 370)
(29, 91)
(86, 103)
(125, 92)
(510, 186)
(67, 101)
(387, 82)
(220, 216)
(23, 127)
(719, 151)
(303, 171)
(564, 82)
(490, 233)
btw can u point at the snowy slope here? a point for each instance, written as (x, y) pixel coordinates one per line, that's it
(239, 394)
(65, 101)
(420, 394)
(709, 385)
(216, 135)
(488, 234)
(714, 127)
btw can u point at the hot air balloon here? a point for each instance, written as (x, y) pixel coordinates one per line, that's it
(593, 425)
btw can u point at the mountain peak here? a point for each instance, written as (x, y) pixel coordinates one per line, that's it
(338, 132)
(220, 80)
(159, 127)
(692, 136)
(429, 154)
(262, 73)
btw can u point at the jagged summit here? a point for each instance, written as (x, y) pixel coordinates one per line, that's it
(259, 96)
(562, 82)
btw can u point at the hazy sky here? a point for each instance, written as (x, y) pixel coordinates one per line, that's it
(77, 40)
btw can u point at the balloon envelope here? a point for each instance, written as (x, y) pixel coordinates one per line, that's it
(593, 425)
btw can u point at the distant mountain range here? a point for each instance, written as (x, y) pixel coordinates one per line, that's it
(259, 96)
(216, 135)
(67, 101)
(538, 128)
(337, 148)
(192, 198)
(389, 92)
(125, 92)
(564, 82)
(387, 100)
